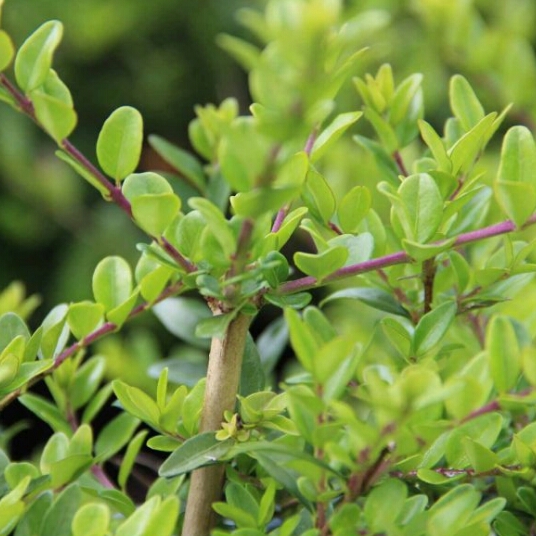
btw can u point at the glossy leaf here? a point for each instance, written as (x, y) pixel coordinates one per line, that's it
(7, 50)
(503, 352)
(136, 402)
(322, 264)
(114, 436)
(84, 317)
(332, 133)
(181, 315)
(353, 207)
(199, 451)
(373, 297)
(185, 163)
(91, 520)
(119, 142)
(112, 282)
(34, 58)
(421, 207)
(464, 103)
(432, 327)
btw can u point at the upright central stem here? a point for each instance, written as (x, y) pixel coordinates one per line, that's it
(223, 376)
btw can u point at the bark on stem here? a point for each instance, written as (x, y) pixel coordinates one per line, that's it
(223, 375)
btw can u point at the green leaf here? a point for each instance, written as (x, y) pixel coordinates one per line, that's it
(421, 252)
(392, 492)
(198, 451)
(184, 162)
(301, 339)
(84, 173)
(464, 152)
(243, 52)
(53, 107)
(136, 402)
(515, 188)
(7, 50)
(421, 209)
(353, 207)
(96, 403)
(163, 443)
(180, 317)
(451, 512)
(436, 146)
(322, 264)
(47, 412)
(373, 297)
(332, 133)
(119, 142)
(318, 196)
(59, 518)
(296, 301)
(114, 436)
(84, 317)
(154, 213)
(215, 326)
(503, 352)
(34, 58)
(404, 98)
(244, 155)
(112, 282)
(432, 327)
(464, 103)
(481, 458)
(148, 183)
(216, 222)
(12, 326)
(86, 381)
(261, 200)
(130, 457)
(252, 377)
(91, 520)
(118, 315)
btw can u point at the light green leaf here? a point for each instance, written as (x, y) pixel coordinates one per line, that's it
(86, 381)
(12, 326)
(184, 162)
(353, 207)
(322, 264)
(7, 50)
(432, 327)
(301, 339)
(464, 152)
(503, 352)
(451, 512)
(436, 146)
(155, 212)
(246, 54)
(464, 103)
(318, 196)
(114, 436)
(83, 317)
(421, 207)
(59, 518)
(332, 133)
(137, 402)
(119, 142)
(260, 200)
(515, 188)
(216, 222)
(198, 451)
(46, 411)
(421, 252)
(34, 58)
(129, 459)
(112, 282)
(374, 297)
(91, 520)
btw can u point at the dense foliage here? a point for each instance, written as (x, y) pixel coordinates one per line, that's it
(400, 258)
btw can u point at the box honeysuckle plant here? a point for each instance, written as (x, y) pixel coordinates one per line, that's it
(420, 426)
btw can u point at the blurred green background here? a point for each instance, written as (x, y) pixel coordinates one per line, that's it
(161, 57)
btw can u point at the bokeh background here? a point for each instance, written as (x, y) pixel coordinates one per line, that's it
(162, 58)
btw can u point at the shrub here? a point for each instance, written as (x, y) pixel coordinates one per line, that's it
(406, 412)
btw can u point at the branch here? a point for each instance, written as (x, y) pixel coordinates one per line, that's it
(115, 193)
(400, 257)
(450, 473)
(107, 327)
(223, 375)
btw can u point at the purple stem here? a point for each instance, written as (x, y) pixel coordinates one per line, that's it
(400, 257)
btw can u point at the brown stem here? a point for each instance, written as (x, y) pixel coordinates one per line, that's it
(223, 375)
(400, 163)
(428, 275)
